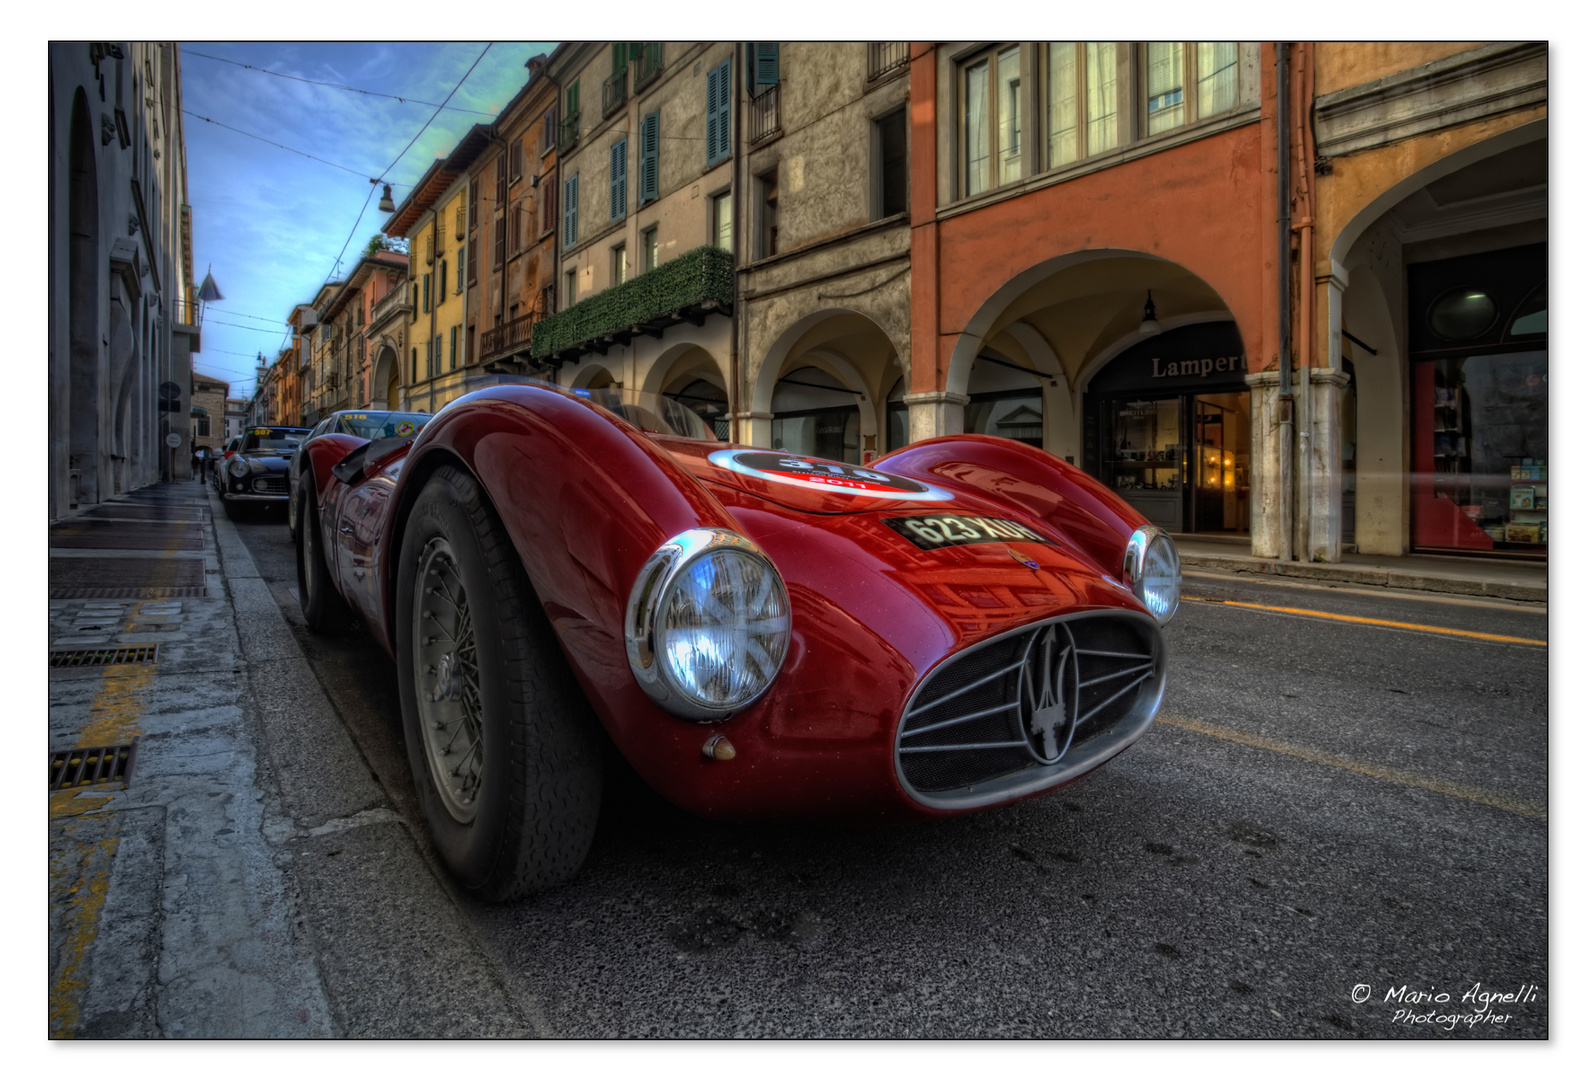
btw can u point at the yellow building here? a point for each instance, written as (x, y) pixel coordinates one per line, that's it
(434, 221)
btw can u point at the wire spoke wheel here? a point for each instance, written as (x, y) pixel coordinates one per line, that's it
(447, 682)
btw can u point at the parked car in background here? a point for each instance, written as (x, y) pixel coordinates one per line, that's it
(218, 467)
(361, 424)
(256, 473)
(966, 622)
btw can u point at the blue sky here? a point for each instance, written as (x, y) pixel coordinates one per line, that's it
(269, 223)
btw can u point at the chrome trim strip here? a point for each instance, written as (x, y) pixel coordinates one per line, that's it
(915, 732)
(970, 686)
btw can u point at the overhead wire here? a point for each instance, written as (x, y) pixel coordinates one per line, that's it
(279, 146)
(338, 86)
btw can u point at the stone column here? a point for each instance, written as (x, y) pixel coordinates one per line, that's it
(934, 412)
(1323, 457)
(757, 428)
(1270, 470)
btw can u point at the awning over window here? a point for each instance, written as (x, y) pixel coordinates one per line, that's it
(198, 410)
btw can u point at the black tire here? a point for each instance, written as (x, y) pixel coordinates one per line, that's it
(234, 510)
(516, 812)
(324, 608)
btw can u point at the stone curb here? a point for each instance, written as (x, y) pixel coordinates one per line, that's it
(1369, 575)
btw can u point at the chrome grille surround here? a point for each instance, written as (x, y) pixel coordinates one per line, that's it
(1030, 708)
(270, 485)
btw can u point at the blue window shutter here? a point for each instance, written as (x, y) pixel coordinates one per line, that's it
(714, 76)
(762, 64)
(571, 204)
(649, 157)
(618, 155)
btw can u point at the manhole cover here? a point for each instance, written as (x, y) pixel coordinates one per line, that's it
(137, 654)
(92, 765)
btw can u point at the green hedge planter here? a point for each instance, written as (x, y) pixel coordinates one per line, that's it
(690, 281)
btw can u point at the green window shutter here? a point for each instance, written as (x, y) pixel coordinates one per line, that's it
(621, 53)
(572, 100)
(617, 155)
(453, 347)
(649, 157)
(762, 64)
(719, 112)
(571, 204)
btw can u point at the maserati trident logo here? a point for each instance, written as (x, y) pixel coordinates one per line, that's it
(1046, 696)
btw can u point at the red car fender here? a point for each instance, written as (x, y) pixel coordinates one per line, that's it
(321, 454)
(584, 498)
(1098, 521)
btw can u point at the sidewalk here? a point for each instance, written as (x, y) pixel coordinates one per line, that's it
(1502, 578)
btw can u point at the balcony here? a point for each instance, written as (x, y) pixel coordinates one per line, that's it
(614, 92)
(510, 338)
(885, 57)
(394, 303)
(686, 289)
(568, 133)
(651, 64)
(765, 114)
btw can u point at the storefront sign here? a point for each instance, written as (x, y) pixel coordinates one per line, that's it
(1201, 368)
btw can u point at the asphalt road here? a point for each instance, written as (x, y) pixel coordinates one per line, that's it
(1337, 830)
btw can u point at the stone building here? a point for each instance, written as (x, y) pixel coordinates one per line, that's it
(120, 310)
(354, 354)
(208, 410)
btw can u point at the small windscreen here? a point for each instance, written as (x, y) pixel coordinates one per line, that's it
(380, 425)
(273, 439)
(656, 413)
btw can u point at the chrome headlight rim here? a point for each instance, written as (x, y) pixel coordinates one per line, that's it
(238, 467)
(1137, 555)
(649, 597)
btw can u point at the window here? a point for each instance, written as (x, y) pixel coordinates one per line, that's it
(414, 299)
(453, 347)
(569, 287)
(426, 299)
(549, 130)
(442, 281)
(617, 159)
(718, 108)
(571, 201)
(549, 299)
(549, 210)
(460, 286)
(1082, 100)
(436, 355)
(516, 159)
(203, 427)
(497, 242)
(649, 249)
(474, 260)
(994, 81)
(890, 157)
(514, 230)
(722, 221)
(649, 159)
(502, 179)
(475, 197)
(618, 265)
(768, 214)
(1170, 67)
(762, 65)
(458, 223)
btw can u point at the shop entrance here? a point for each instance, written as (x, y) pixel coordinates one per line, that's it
(1181, 458)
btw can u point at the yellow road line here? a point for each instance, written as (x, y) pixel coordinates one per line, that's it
(1365, 768)
(1374, 622)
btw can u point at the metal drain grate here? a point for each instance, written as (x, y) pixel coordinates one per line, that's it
(123, 593)
(92, 765)
(138, 654)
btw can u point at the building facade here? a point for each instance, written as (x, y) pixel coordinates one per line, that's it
(121, 314)
(208, 410)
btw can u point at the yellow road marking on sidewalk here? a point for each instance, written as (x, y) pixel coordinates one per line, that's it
(1365, 768)
(80, 872)
(1373, 622)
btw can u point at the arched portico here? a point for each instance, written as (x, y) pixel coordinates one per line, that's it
(384, 378)
(851, 349)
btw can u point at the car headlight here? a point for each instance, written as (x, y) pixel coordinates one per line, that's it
(238, 467)
(1152, 567)
(707, 625)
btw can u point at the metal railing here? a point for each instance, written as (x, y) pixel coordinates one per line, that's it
(614, 91)
(511, 336)
(765, 113)
(568, 132)
(885, 57)
(395, 301)
(187, 312)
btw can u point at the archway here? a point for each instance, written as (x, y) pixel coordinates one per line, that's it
(849, 363)
(384, 379)
(83, 270)
(690, 375)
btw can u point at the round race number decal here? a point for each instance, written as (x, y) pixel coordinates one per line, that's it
(405, 428)
(818, 474)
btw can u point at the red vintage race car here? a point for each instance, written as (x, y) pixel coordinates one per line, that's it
(965, 622)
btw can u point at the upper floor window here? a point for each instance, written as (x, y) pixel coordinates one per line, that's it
(1171, 68)
(1080, 101)
(992, 114)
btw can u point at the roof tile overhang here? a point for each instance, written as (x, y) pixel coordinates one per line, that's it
(437, 179)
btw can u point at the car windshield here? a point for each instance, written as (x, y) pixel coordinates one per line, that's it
(272, 439)
(379, 425)
(657, 413)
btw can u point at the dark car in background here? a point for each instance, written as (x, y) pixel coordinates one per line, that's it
(369, 424)
(257, 472)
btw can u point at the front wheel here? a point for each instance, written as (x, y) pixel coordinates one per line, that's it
(324, 609)
(506, 754)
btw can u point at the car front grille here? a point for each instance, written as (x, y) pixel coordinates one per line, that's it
(270, 485)
(1030, 709)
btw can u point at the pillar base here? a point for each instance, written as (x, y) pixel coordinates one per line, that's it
(933, 413)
